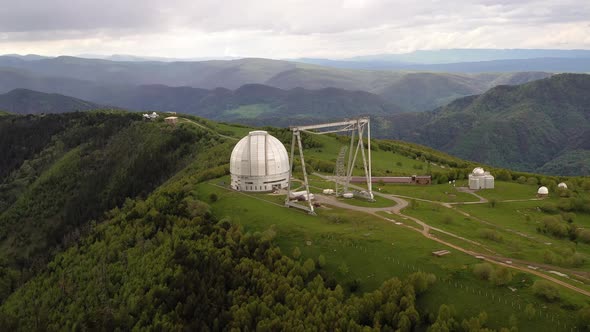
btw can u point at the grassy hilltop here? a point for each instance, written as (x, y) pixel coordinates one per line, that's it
(110, 221)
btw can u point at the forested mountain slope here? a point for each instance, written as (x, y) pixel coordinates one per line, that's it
(61, 171)
(113, 222)
(24, 101)
(539, 126)
(103, 219)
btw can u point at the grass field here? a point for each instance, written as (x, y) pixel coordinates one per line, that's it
(509, 190)
(384, 163)
(364, 248)
(525, 217)
(437, 192)
(248, 111)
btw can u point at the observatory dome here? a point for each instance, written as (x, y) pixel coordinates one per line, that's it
(562, 185)
(478, 171)
(259, 162)
(543, 191)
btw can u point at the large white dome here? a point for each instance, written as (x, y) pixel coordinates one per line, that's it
(543, 191)
(259, 162)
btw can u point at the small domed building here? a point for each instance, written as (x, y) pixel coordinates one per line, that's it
(480, 179)
(562, 185)
(543, 192)
(259, 163)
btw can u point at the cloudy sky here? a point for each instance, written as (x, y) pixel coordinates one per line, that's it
(287, 28)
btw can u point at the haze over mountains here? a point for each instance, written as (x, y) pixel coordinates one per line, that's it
(98, 80)
(469, 61)
(281, 93)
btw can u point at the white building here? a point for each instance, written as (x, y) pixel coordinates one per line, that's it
(543, 192)
(480, 179)
(259, 163)
(562, 185)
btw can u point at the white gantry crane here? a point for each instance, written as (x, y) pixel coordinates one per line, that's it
(358, 127)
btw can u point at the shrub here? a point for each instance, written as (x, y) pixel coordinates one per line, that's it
(549, 208)
(501, 276)
(421, 281)
(584, 318)
(546, 290)
(490, 234)
(532, 181)
(529, 311)
(521, 179)
(584, 235)
(483, 271)
(447, 220)
(555, 226)
(296, 253)
(213, 198)
(321, 261)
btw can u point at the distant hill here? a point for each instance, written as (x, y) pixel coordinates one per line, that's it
(23, 101)
(256, 103)
(95, 80)
(469, 61)
(472, 55)
(540, 126)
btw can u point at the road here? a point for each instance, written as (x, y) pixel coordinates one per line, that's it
(208, 129)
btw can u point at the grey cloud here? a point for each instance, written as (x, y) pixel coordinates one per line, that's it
(286, 27)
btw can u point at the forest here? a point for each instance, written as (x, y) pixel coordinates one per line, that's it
(102, 228)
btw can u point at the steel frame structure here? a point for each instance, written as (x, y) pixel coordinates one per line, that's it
(358, 126)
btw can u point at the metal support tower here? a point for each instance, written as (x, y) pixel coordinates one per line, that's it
(356, 126)
(340, 174)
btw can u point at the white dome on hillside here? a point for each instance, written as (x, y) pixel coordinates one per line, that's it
(562, 185)
(543, 191)
(478, 171)
(259, 162)
(480, 179)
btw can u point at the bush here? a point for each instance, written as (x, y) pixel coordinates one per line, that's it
(529, 311)
(490, 234)
(584, 318)
(213, 198)
(549, 208)
(447, 220)
(546, 290)
(555, 226)
(483, 271)
(296, 253)
(321, 261)
(501, 276)
(584, 235)
(532, 181)
(521, 179)
(421, 281)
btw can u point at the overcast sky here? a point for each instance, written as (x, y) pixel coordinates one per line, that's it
(287, 28)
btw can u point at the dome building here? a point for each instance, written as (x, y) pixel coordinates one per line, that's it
(259, 163)
(480, 179)
(562, 185)
(543, 192)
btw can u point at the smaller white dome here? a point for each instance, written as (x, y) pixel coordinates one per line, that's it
(478, 171)
(543, 191)
(562, 185)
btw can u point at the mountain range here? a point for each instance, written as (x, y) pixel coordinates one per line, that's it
(100, 81)
(24, 101)
(468, 61)
(541, 126)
